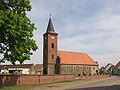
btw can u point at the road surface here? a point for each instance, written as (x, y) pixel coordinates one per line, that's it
(113, 83)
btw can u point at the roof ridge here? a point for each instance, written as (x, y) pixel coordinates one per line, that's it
(71, 52)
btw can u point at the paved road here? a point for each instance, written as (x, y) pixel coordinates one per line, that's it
(112, 83)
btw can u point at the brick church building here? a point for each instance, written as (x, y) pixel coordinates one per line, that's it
(64, 62)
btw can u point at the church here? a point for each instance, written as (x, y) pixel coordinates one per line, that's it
(64, 62)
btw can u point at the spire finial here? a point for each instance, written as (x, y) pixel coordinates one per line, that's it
(50, 15)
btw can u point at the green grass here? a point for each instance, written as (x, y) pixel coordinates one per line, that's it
(64, 81)
(23, 87)
(29, 87)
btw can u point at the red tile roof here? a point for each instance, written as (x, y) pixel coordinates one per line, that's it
(75, 58)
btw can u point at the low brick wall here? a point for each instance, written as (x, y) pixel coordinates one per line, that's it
(46, 79)
(31, 79)
(6, 80)
(59, 78)
(91, 77)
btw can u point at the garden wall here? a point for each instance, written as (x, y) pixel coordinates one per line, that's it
(6, 80)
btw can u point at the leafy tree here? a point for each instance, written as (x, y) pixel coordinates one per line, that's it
(16, 31)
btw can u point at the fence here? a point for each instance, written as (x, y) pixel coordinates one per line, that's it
(32, 79)
(6, 80)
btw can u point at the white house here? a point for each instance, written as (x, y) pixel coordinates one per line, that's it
(21, 69)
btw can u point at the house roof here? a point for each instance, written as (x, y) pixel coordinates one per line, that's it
(75, 58)
(118, 64)
(111, 67)
(102, 68)
(108, 66)
(20, 66)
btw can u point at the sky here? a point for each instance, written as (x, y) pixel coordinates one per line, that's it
(88, 26)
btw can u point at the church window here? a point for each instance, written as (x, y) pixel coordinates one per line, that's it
(67, 68)
(52, 56)
(74, 68)
(52, 45)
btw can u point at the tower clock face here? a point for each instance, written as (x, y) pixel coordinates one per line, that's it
(52, 37)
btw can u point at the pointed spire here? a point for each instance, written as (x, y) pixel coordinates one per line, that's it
(50, 27)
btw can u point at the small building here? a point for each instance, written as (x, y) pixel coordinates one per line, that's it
(116, 69)
(21, 69)
(102, 70)
(108, 68)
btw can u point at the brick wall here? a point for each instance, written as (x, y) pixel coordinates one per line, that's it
(46, 79)
(91, 77)
(32, 79)
(28, 79)
(59, 78)
(40, 79)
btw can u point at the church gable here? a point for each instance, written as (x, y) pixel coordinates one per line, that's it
(75, 58)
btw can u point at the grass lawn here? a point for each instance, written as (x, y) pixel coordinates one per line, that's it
(23, 87)
(28, 87)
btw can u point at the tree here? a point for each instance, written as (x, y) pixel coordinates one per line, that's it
(16, 31)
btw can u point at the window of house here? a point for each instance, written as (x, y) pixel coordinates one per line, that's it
(52, 45)
(52, 56)
(11, 71)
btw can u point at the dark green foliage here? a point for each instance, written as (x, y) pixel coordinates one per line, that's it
(16, 31)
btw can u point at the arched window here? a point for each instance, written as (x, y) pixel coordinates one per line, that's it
(52, 56)
(52, 45)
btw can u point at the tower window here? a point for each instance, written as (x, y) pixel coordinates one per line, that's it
(52, 56)
(52, 45)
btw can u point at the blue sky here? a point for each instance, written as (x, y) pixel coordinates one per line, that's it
(89, 26)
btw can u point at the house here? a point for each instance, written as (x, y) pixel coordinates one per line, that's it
(108, 68)
(64, 62)
(116, 69)
(21, 69)
(102, 70)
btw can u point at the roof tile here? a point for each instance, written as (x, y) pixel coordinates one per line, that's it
(75, 58)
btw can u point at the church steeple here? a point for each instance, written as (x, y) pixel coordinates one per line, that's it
(49, 49)
(50, 27)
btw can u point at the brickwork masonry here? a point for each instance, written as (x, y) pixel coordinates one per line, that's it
(8, 80)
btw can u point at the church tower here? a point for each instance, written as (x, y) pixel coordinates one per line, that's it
(49, 49)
